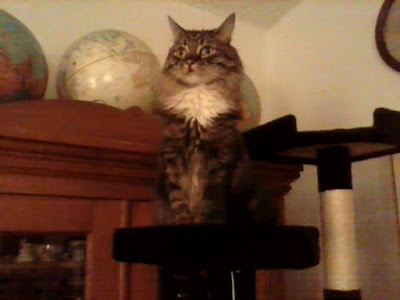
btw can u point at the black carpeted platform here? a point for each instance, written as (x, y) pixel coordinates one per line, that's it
(219, 246)
(279, 141)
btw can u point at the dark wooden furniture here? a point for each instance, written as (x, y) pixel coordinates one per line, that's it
(80, 168)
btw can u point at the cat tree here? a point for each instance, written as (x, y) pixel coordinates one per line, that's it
(227, 248)
(333, 152)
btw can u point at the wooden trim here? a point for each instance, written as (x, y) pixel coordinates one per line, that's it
(98, 166)
(102, 272)
(73, 187)
(125, 268)
(44, 214)
(105, 151)
(81, 123)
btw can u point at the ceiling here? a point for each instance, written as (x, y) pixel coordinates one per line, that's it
(261, 13)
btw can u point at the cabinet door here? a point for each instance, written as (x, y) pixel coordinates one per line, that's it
(32, 227)
(42, 266)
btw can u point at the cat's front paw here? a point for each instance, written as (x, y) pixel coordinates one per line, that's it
(206, 220)
(182, 220)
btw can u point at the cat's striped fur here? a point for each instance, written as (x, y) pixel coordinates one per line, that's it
(199, 101)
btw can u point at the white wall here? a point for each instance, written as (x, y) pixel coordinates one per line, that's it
(322, 66)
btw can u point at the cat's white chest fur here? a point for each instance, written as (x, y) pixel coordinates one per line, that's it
(199, 103)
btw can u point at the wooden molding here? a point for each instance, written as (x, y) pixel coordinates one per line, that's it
(77, 148)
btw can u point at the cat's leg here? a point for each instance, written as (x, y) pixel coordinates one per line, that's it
(211, 208)
(179, 211)
(219, 165)
(242, 202)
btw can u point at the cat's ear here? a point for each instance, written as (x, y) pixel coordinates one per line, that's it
(177, 30)
(224, 32)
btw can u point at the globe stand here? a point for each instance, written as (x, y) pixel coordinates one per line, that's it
(333, 152)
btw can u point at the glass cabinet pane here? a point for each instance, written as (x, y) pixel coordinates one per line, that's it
(42, 267)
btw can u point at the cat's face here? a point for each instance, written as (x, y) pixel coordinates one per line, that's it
(201, 57)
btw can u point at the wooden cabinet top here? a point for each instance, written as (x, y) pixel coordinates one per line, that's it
(50, 147)
(80, 123)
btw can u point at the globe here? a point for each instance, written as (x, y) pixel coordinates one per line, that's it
(250, 103)
(23, 67)
(111, 67)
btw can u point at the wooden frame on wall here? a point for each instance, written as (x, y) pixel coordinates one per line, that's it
(387, 33)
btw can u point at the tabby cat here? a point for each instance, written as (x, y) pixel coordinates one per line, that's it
(199, 101)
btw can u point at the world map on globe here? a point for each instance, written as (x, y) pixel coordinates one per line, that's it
(111, 67)
(23, 67)
(251, 104)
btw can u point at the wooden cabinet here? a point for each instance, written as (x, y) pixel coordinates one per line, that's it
(79, 168)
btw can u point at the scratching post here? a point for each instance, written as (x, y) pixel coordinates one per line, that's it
(333, 152)
(337, 216)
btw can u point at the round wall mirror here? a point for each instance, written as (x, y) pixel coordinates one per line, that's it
(387, 33)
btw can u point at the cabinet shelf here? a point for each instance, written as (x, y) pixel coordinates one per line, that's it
(40, 270)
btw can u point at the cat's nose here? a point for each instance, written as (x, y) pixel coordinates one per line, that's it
(190, 62)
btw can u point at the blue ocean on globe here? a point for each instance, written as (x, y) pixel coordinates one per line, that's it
(23, 66)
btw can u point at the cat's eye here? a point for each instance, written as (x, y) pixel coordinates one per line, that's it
(180, 52)
(206, 51)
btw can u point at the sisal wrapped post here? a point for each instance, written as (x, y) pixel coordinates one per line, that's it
(338, 227)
